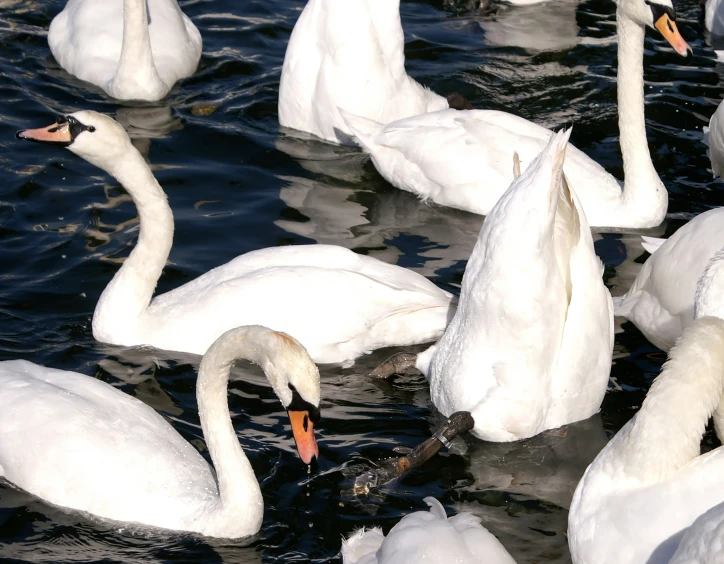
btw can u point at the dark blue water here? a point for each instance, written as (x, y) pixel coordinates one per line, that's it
(236, 185)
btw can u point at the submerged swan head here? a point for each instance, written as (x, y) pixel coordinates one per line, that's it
(658, 14)
(95, 137)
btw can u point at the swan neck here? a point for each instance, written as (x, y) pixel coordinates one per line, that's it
(666, 433)
(639, 173)
(239, 491)
(126, 298)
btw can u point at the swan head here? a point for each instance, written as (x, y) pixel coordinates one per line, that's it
(658, 14)
(95, 137)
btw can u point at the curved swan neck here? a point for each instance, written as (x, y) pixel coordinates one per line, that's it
(234, 472)
(666, 433)
(640, 177)
(128, 295)
(385, 15)
(136, 75)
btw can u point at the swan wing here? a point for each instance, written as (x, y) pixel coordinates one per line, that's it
(703, 541)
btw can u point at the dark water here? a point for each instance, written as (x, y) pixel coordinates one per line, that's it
(235, 186)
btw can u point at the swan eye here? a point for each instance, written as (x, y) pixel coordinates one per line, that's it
(91, 128)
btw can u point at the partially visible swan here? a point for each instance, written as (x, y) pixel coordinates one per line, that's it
(703, 542)
(661, 300)
(714, 17)
(429, 537)
(714, 139)
(337, 303)
(348, 54)
(650, 483)
(462, 159)
(529, 348)
(132, 49)
(79, 443)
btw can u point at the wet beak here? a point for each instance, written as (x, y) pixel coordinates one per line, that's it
(668, 29)
(303, 430)
(56, 134)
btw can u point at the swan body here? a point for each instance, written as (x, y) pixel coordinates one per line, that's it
(429, 537)
(348, 54)
(79, 443)
(703, 542)
(714, 139)
(132, 49)
(661, 300)
(337, 303)
(529, 348)
(714, 17)
(462, 159)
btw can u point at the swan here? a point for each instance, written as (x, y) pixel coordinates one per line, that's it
(703, 542)
(714, 139)
(660, 302)
(79, 443)
(650, 483)
(714, 17)
(132, 49)
(429, 537)
(349, 54)
(337, 303)
(530, 346)
(461, 159)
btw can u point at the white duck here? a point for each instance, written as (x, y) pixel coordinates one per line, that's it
(661, 300)
(462, 159)
(348, 54)
(132, 49)
(337, 303)
(650, 483)
(428, 537)
(529, 348)
(79, 443)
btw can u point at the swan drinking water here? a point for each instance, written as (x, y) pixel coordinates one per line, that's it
(79, 443)
(337, 303)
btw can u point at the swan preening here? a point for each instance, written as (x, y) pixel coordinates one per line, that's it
(132, 49)
(462, 158)
(647, 488)
(337, 303)
(348, 54)
(79, 443)
(427, 536)
(529, 348)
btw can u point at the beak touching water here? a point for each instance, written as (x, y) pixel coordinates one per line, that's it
(303, 430)
(668, 29)
(56, 134)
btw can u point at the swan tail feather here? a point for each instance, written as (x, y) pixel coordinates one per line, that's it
(364, 129)
(651, 244)
(360, 544)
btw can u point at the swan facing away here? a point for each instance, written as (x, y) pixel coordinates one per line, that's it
(429, 537)
(660, 302)
(462, 159)
(647, 487)
(529, 348)
(349, 54)
(337, 303)
(79, 443)
(132, 49)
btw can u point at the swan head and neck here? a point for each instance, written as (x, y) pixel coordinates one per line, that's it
(644, 193)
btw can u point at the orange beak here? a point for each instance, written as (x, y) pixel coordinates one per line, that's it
(668, 29)
(56, 134)
(303, 430)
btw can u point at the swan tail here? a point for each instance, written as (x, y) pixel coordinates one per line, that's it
(362, 543)
(651, 244)
(365, 130)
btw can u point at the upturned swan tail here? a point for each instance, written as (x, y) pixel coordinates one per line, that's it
(363, 544)
(364, 129)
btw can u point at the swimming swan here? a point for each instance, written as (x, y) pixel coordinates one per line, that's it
(529, 348)
(132, 49)
(337, 303)
(462, 159)
(349, 54)
(428, 537)
(79, 443)
(647, 487)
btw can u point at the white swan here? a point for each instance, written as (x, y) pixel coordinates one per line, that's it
(714, 17)
(337, 303)
(660, 302)
(462, 159)
(132, 49)
(714, 139)
(650, 483)
(529, 348)
(348, 54)
(429, 537)
(703, 542)
(79, 443)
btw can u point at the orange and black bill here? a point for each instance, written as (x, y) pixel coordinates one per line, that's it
(303, 430)
(665, 22)
(62, 133)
